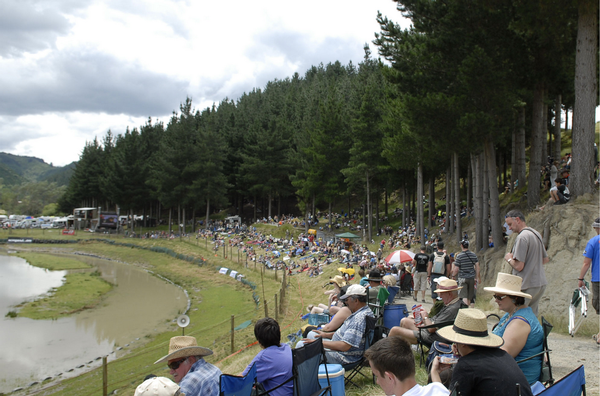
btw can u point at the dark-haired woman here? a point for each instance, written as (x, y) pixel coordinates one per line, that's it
(274, 362)
(519, 327)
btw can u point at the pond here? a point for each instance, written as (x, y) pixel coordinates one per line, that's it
(140, 304)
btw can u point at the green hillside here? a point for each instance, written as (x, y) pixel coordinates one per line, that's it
(16, 169)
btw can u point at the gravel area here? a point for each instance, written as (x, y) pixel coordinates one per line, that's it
(569, 353)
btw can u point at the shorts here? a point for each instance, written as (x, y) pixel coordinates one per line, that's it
(468, 288)
(596, 296)
(420, 281)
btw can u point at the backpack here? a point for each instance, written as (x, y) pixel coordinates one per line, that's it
(437, 349)
(439, 264)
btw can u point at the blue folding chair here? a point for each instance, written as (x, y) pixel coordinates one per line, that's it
(233, 385)
(572, 384)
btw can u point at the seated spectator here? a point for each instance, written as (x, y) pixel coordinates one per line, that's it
(333, 307)
(274, 362)
(158, 386)
(519, 327)
(347, 343)
(483, 368)
(194, 375)
(448, 291)
(393, 363)
(559, 194)
(375, 283)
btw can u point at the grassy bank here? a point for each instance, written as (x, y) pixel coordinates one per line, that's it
(53, 263)
(80, 291)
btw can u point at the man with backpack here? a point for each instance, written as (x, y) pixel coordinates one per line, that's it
(439, 265)
(420, 263)
(466, 271)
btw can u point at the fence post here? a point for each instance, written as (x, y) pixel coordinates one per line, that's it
(232, 333)
(281, 301)
(276, 310)
(266, 310)
(275, 272)
(104, 376)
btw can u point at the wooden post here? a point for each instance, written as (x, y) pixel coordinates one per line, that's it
(276, 310)
(280, 301)
(275, 272)
(232, 333)
(206, 242)
(104, 376)
(266, 310)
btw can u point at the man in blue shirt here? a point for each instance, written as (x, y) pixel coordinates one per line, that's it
(347, 344)
(591, 258)
(195, 376)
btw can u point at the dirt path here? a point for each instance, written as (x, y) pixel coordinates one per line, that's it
(569, 353)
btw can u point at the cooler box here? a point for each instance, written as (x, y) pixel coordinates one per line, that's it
(336, 378)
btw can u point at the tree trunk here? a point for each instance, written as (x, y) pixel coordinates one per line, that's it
(520, 149)
(386, 202)
(545, 131)
(330, 218)
(566, 118)
(369, 223)
(404, 206)
(485, 196)
(449, 211)
(207, 217)
(170, 221)
(478, 200)
(279, 206)
(254, 209)
(377, 212)
(495, 217)
(194, 220)
(557, 122)
(306, 215)
(431, 203)
(586, 94)
(535, 151)
(420, 207)
(457, 201)
(184, 220)
(469, 183)
(179, 219)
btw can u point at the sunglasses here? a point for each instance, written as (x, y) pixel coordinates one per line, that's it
(499, 297)
(175, 365)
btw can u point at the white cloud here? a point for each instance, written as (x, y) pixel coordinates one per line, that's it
(70, 70)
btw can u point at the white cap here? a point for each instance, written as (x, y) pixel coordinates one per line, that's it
(157, 386)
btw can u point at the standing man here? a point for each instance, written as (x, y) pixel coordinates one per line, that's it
(439, 265)
(419, 263)
(466, 269)
(591, 258)
(195, 376)
(527, 258)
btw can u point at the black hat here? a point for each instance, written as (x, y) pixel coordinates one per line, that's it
(465, 243)
(375, 276)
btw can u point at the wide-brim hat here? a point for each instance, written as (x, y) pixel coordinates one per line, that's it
(509, 285)
(375, 276)
(470, 328)
(447, 285)
(184, 346)
(157, 386)
(338, 280)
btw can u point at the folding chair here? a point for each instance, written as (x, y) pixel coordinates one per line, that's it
(305, 370)
(421, 344)
(233, 385)
(580, 296)
(352, 369)
(546, 374)
(572, 384)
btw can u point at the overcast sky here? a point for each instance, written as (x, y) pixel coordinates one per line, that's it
(72, 69)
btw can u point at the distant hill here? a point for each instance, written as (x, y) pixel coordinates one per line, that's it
(17, 169)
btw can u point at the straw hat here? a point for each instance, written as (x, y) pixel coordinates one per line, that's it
(157, 386)
(509, 285)
(470, 327)
(447, 285)
(338, 280)
(184, 346)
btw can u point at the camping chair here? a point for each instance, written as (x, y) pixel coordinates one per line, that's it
(305, 370)
(456, 390)
(422, 344)
(580, 296)
(572, 384)
(546, 375)
(233, 385)
(370, 338)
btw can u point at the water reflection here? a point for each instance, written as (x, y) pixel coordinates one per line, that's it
(138, 305)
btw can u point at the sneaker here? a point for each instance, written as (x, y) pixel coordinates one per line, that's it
(415, 298)
(422, 301)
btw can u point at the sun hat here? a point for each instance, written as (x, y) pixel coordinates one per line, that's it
(509, 285)
(158, 386)
(184, 346)
(470, 327)
(338, 280)
(375, 276)
(354, 290)
(447, 285)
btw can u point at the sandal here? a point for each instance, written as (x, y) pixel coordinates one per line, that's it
(596, 338)
(310, 307)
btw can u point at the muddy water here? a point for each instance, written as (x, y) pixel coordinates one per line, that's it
(31, 350)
